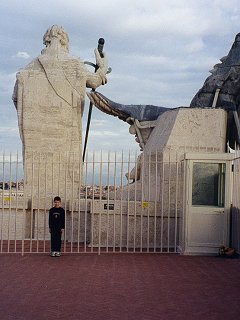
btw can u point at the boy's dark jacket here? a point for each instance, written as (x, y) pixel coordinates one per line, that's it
(57, 218)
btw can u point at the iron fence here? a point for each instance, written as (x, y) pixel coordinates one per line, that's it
(114, 202)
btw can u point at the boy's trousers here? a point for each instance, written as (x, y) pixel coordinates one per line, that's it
(56, 239)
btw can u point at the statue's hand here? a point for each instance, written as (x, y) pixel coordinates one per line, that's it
(101, 62)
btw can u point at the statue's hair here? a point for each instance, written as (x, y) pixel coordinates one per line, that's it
(56, 32)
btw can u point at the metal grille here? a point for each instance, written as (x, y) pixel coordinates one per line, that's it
(106, 210)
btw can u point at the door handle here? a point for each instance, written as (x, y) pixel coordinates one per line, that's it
(219, 211)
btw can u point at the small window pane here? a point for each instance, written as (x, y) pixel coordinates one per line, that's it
(208, 184)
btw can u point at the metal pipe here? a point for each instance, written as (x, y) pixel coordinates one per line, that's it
(38, 201)
(66, 199)
(79, 204)
(45, 205)
(169, 199)
(135, 205)
(155, 203)
(162, 209)
(10, 201)
(72, 199)
(3, 187)
(149, 200)
(16, 208)
(128, 203)
(31, 210)
(114, 209)
(176, 207)
(108, 190)
(142, 200)
(24, 207)
(92, 215)
(59, 173)
(100, 211)
(85, 213)
(121, 207)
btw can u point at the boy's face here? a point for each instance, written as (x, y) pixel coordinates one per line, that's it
(57, 203)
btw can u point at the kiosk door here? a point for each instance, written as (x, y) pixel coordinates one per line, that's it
(207, 206)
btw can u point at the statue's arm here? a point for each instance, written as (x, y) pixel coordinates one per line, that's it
(98, 78)
(17, 98)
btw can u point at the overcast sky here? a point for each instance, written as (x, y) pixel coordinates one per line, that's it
(160, 52)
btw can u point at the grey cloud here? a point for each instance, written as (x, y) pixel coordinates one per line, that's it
(22, 55)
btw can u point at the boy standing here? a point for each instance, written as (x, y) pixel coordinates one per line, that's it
(56, 226)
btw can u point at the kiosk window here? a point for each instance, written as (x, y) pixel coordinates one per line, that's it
(208, 184)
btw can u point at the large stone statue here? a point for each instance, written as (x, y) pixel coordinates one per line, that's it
(225, 77)
(158, 129)
(220, 90)
(141, 118)
(49, 96)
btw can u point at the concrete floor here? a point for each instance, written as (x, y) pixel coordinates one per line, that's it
(119, 286)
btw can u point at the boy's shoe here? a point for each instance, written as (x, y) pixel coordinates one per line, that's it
(58, 254)
(53, 254)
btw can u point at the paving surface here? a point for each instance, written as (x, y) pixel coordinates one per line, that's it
(119, 286)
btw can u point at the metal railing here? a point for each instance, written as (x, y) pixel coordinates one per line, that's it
(235, 225)
(106, 211)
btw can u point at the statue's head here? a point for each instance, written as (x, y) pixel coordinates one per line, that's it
(56, 33)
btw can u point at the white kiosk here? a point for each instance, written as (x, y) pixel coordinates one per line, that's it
(206, 204)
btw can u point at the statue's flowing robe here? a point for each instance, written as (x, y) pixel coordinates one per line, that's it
(49, 96)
